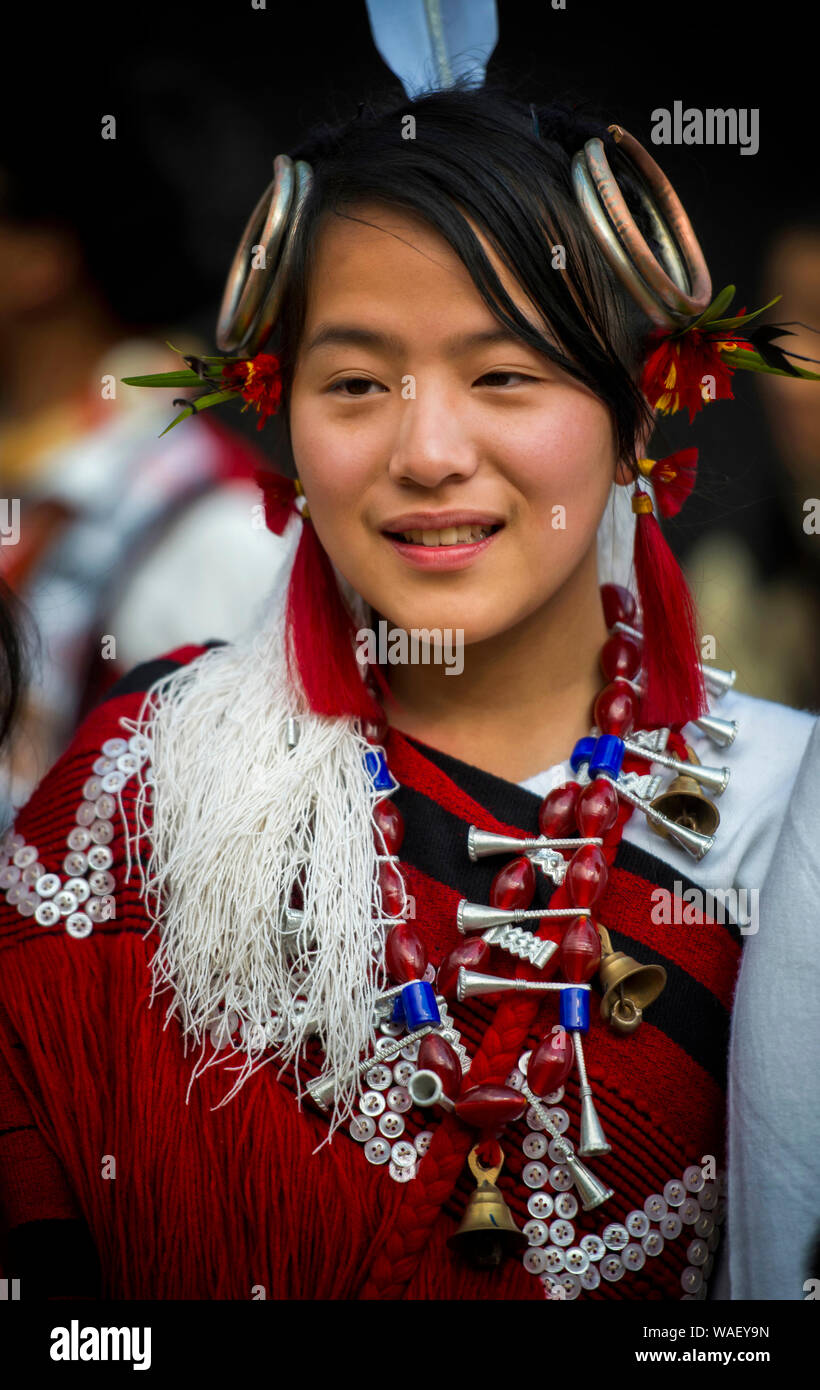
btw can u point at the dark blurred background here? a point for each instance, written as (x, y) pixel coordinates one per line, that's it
(205, 95)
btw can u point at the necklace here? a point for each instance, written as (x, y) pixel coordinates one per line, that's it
(420, 1059)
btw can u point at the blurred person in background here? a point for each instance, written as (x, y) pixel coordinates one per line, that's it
(13, 662)
(119, 543)
(765, 617)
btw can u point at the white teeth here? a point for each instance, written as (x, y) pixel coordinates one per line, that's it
(449, 535)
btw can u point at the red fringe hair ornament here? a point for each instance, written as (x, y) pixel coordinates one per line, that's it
(320, 633)
(674, 692)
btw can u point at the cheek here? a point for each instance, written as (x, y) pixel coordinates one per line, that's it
(567, 460)
(330, 461)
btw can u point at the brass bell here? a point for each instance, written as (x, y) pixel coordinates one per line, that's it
(685, 803)
(488, 1230)
(627, 986)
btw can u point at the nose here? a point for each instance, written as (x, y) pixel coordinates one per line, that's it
(433, 445)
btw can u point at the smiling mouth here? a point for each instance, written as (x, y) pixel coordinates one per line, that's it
(448, 535)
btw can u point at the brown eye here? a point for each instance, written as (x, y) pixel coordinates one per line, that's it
(346, 387)
(492, 378)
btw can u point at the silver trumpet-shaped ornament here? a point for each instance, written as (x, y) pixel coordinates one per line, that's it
(718, 681)
(715, 778)
(544, 853)
(426, 1089)
(723, 732)
(472, 917)
(322, 1090)
(692, 841)
(590, 1189)
(481, 843)
(593, 1139)
(471, 983)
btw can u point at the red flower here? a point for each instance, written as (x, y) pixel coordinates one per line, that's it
(685, 373)
(258, 380)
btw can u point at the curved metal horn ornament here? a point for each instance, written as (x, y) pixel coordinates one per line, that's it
(672, 293)
(252, 297)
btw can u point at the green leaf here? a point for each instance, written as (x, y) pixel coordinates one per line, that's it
(183, 415)
(747, 361)
(180, 378)
(730, 324)
(201, 403)
(719, 304)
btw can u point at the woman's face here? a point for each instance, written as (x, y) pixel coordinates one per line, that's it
(454, 475)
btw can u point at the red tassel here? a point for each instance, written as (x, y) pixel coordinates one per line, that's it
(673, 479)
(674, 691)
(321, 637)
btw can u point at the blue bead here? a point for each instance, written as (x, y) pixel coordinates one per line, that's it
(575, 1009)
(376, 764)
(419, 1001)
(582, 752)
(607, 756)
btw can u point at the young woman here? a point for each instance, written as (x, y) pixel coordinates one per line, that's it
(332, 851)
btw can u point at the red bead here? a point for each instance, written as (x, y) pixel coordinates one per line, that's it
(597, 808)
(551, 1062)
(436, 1055)
(614, 710)
(390, 822)
(405, 954)
(580, 951)
(618, 604)
(556, 817)
(473, 955)
(490, 1107)
(620, 656)
(392, 886)
(587, 876)
(514, 885)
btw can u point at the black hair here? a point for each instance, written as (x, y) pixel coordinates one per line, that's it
(14, 660)
(506, 165)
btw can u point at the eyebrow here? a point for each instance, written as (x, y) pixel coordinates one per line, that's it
(353, 335)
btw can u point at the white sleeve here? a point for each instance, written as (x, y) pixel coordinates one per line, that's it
(774, 1065)
(207, 577)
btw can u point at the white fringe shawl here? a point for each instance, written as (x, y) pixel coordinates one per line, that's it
(236, 817)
